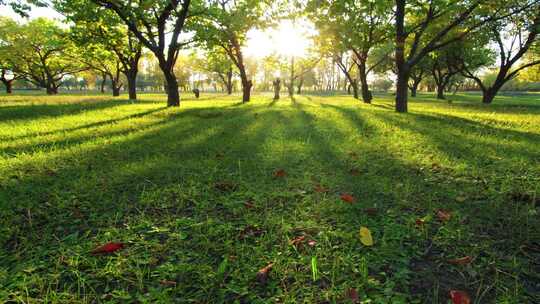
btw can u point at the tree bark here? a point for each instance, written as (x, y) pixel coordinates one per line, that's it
(299, 86)
(440, 91)
(277, 88)
(131, 76)
(364, 86)
(102, 85)
(229, 83)
(402, 67)
(413, 90)
(9, 86)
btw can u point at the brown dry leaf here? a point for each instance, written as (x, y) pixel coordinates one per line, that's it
(444, 215)
(371, 211)
(461, 261)
(354, 172)
(249, 204)
(262, 274)
(297, 240)
(320, 189)
(352, 295)
(167, 283)
(280, 173)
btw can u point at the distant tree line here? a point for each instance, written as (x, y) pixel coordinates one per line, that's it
(361, 46)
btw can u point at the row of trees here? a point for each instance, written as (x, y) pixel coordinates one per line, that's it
(437, 43)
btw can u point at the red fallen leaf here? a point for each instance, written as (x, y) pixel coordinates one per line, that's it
(312, 243)
(352, 294)
(298, 240)
(443, 215)
(108, 248)
(420, 222)
(167, 283)
(347, 198)
(461, 261)
(280, 173)
(371, 211)
(262, 274)
(459, 297)
(320, 189)
(354, 172)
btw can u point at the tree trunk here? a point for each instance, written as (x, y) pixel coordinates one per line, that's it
(366, 93)
(115, 88)
(488, 95)
(401, 66)
(171, 84)
(9, 86)
(413, 89)
(103, 81)
(131, 76)
(246, 90)
(277, 88)
(354, 86)
(401, 89)
(299, 87)
(440, 91)
(229, 83)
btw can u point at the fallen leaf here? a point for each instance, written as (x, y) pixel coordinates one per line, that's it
(354, 172)
(167, 283)
(347, 198)
(298, 240)
(371, 211)
(249, 204)
(352, 294)
(280, 173)
(365, 236)
(459, 297)
(312, 243)
(262, 274)
(420, 222)
(108, 248)
(461, 261)
(320, 189)
(443, 215)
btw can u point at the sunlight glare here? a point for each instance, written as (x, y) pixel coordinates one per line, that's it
(287, 39)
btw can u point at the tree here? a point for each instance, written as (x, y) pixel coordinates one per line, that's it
(98, 58)
(431, 25)
(226, 26)
(356, 26)
(522, 33)
(157, 25)
(93, 25)
(8, 28)
(217, 63)
(41, 53)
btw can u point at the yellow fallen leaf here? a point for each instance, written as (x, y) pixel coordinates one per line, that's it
(365, 236)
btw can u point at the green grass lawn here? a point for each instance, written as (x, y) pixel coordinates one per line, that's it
(192, 192)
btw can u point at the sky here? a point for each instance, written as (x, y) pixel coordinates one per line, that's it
(288, 38)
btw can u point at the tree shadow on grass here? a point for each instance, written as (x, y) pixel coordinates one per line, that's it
(29, 112)
(163, 177)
